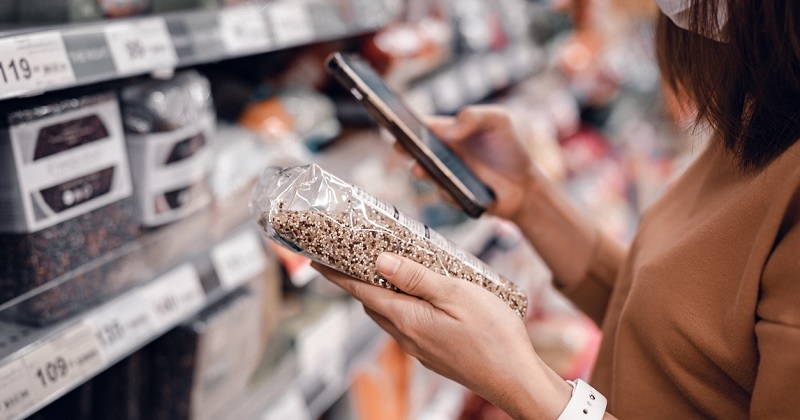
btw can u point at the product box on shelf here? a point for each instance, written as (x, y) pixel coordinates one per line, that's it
(8, 11)
(136, 262)
(200, 366)
(79, 10)
(64, 190)
(119, 392)
(170, 131)
(61, 160)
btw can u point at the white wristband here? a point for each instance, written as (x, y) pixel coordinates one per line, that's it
(585, 404)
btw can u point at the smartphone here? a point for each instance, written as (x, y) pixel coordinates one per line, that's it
(391, 112)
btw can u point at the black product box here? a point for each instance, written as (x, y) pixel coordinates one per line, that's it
(170, 133)
(64, 190)
(119, 393)
(199, 367)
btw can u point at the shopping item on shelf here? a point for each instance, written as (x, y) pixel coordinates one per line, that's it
(61, 160)
(8, 11)
(170, 132)
(119, 392)
(136, 262)
(293, 112)
(79, 10)
(198, 367)
(66, 186)
(310, 211)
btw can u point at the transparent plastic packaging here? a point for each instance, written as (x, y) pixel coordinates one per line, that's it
(316, 214)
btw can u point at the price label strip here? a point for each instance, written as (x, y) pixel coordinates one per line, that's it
(17, 391)
(175, 296)
(243, 29)
(31, 63)
(64, 361)
(141, 46)
(122, 325)
(239, 259)
(291, 23)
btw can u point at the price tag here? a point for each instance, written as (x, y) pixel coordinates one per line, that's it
(239, 259)
(17, 392)
(291, 405)
(243, 29)
(64, 360)
(141, 46)
(123, 325)
(447, 93)
(291, 23)
(33, 62)
(175, 296)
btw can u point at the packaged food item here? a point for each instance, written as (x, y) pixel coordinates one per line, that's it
(240, 156)
(312, 212)
(119, 392)
(294, 111)
(79, 10)
(64, 191)
(203, 364)
(61, 160)
(170, 131)
(8, 11)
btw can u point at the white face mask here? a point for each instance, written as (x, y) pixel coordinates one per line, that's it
(678, 12)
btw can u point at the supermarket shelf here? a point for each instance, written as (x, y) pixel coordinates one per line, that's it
(299, 390)
(38, 365)
(474, 78)
(59, 57)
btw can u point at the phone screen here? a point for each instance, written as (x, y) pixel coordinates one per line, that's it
(482, 196)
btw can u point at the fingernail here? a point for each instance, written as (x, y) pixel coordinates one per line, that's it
(388, 264)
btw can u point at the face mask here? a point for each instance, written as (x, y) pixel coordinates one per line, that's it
(678, 11)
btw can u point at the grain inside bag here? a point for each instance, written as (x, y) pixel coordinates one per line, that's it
(316, 214)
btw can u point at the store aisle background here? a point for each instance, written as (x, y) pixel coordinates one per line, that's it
(135, 284)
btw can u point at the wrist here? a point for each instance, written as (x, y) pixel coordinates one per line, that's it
(543, 395)
(533, 191)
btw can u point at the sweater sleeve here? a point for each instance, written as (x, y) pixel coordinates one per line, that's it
(592, 293)
(778, 332)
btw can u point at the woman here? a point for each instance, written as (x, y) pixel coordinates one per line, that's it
(701, 316)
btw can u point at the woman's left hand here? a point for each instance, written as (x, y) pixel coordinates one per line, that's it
(463, 332)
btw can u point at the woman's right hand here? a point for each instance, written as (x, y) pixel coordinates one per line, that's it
(485, 138)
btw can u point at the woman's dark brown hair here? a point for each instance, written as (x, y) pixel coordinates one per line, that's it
(747, 86)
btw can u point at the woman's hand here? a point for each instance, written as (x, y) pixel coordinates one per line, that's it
(485, 138)
(463, 332)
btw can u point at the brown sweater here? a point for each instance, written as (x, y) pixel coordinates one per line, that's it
(701, 319)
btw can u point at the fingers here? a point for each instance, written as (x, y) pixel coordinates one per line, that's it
(414, 279)
(471, 121)
(380, 300)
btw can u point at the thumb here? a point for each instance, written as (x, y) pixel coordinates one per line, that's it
(413, 278)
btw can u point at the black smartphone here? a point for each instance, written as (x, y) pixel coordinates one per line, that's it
(391, 112)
